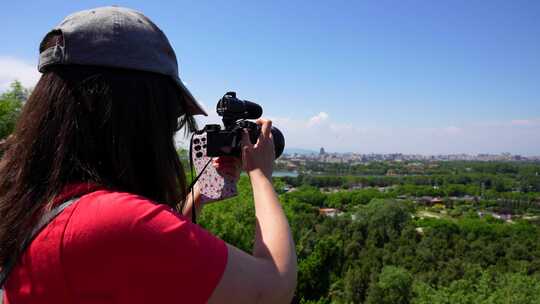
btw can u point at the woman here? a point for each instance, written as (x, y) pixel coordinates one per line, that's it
(98, 128)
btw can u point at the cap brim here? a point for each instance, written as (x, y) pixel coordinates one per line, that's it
(193, 107)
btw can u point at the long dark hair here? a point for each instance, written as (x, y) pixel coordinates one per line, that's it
(105, 126)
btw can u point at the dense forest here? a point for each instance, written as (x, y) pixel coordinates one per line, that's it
(385, 243)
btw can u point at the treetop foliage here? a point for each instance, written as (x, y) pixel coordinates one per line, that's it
(11, 103)
(380, 248)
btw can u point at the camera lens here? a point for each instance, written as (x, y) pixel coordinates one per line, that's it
(279, 141)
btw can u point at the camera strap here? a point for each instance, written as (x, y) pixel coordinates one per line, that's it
(45, 219)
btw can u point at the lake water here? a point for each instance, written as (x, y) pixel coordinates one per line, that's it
(275, 174)
(285, 173)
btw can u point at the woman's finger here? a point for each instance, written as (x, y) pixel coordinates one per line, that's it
(266, 127)
(246, 142)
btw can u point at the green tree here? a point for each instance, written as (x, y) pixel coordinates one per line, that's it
(11, 103)
(394, 286)
(356, 284)
(314, 271)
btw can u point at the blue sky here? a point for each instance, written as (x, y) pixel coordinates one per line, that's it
(364, 76)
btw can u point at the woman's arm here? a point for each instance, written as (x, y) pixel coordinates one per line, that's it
(192, 199)
(269, 275)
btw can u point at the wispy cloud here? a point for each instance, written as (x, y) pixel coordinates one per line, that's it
(525, 122)
(452, 130)
(12, 68)
(318, 119)
(521, 136)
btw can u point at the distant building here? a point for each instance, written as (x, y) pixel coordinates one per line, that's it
(391, 172)
(331, 212)
(436, 200)
(426, 200)
(322, 152)
(502, 216)
(291, 166)
(360, 186)
(468, 198)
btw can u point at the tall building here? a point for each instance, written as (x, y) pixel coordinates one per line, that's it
(322, 151)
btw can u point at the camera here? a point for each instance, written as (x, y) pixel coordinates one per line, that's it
(235, 113)
(213, 141)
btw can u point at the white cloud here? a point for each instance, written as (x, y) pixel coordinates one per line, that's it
(16, 69)
(318, 119)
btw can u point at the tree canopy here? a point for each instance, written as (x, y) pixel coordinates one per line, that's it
(11, 102)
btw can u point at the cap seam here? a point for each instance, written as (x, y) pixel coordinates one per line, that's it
(65, 53)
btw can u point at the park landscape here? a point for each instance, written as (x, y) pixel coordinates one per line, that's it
(458, 232)
(392, 231)
(426, 187)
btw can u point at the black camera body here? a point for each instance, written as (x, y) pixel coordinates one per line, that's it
(235, 112)
(213, 141)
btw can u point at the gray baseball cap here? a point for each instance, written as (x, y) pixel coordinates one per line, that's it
(116, 37)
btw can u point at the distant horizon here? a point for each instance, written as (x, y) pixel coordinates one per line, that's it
(314, 151)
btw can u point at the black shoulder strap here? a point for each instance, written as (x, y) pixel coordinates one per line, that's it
(45, 219)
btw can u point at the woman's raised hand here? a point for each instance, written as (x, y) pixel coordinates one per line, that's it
(258, 158)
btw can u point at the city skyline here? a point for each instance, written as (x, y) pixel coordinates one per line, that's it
(376, 76)
(344, 157)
